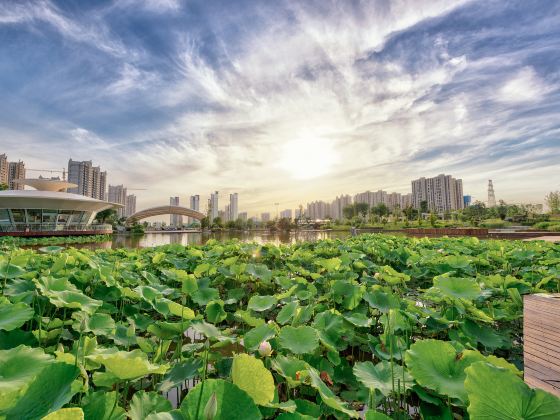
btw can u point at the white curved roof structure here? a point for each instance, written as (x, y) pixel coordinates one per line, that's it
(46, 184)
(33, 199)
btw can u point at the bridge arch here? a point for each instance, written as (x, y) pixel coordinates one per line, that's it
(161, 210)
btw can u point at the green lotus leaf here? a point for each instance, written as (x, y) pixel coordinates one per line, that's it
(146, 403)
(496, 393)
(204, 295)
(231, 401)
(249, 374)
(328, 397)
(254, 337)
(391, 276)
(358, 319)
(13, 316)
(287, 312)
(376, 415)
(248, 318)
(102, 406)
(215, 311)
(457, 288)
(383, 377)
(73, 413)
(294, 416)
(64, 294)
(208, 330)
(10, 271)
(331, 264)
(98, 323)
(179, 373)
(382, 301)
(128, 365)
(259, 271)
(299, 340)
(330, 327)
(189, 285)
(261, 303)
(18, 367)
(289, 367)
(308, 408)
(53, 249)
(437, 365)
(50, 390)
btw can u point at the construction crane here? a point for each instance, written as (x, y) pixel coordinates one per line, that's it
(63, 172)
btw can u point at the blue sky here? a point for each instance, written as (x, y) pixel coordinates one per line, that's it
(286, 101)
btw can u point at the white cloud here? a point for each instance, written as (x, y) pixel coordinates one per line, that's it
(524, 86)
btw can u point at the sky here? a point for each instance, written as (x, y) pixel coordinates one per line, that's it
(285, 101)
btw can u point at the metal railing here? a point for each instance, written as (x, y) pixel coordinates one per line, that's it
(53, 227)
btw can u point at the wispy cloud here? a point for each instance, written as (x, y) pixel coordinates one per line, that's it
(289, 101)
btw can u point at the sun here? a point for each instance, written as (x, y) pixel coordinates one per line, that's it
(307, 158)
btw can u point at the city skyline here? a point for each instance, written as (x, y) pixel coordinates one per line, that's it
(286, 102)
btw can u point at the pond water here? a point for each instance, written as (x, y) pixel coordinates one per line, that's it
(200, 238)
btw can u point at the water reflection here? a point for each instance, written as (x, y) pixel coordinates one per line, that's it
(198, 238)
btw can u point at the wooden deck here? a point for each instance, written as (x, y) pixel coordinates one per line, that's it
(541, 348)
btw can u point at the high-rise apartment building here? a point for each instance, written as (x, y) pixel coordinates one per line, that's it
(194, 204)
(491, 194)
(243, 216)
(175, 220)
(130, 206)
(117, 194)
(16, 170)
(286, 214)
(90, 180)
(337, 206)
(213, 209)
(233, 206)
(318, 210)
(3, 169)
(441, 193)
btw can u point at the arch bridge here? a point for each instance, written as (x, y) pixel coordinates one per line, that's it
(162, 210)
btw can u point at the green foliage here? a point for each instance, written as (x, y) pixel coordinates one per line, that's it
(306, 330)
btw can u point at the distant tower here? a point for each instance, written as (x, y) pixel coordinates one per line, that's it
(491, 196)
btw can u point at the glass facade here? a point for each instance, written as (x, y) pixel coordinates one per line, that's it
(26, 220)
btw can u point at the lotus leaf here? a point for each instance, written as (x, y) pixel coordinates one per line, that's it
(231, 401)
(13, 316)
(457, 288)
(299, 340)
(128, 365)
(103, 406)
(74, 413)
(261, 303)
(328, 397)
(249, 374)
(383, 377)
(64, 294)
(145, 403)
(496, 393)
(254, 337)
(215, 311)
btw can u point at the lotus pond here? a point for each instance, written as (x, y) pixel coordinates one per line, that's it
(374, 326)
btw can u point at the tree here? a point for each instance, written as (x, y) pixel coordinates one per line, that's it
(553, 201)
(217, 222)
(104, 215)
(250, 223)
(230, 224)
(423, 206)
(381, 210)
(204, 223)
(3, 187)
(349, 212)
(410, 212)
(361, 209)
(284, 223)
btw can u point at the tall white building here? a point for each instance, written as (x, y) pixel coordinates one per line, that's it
(117, 194)
(130, 206)
(318, 210)
(243, 216)
(175, 220)
(441, 193)
(90, 180)
(16, 170)
(286, 214)
(233, 206)
(337, 206)
(194, 204)
(3, 169)
(213, 209)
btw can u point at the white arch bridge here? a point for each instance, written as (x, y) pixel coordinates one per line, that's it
(161, 210)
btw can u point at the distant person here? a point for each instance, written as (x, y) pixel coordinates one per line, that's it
(353, 231)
